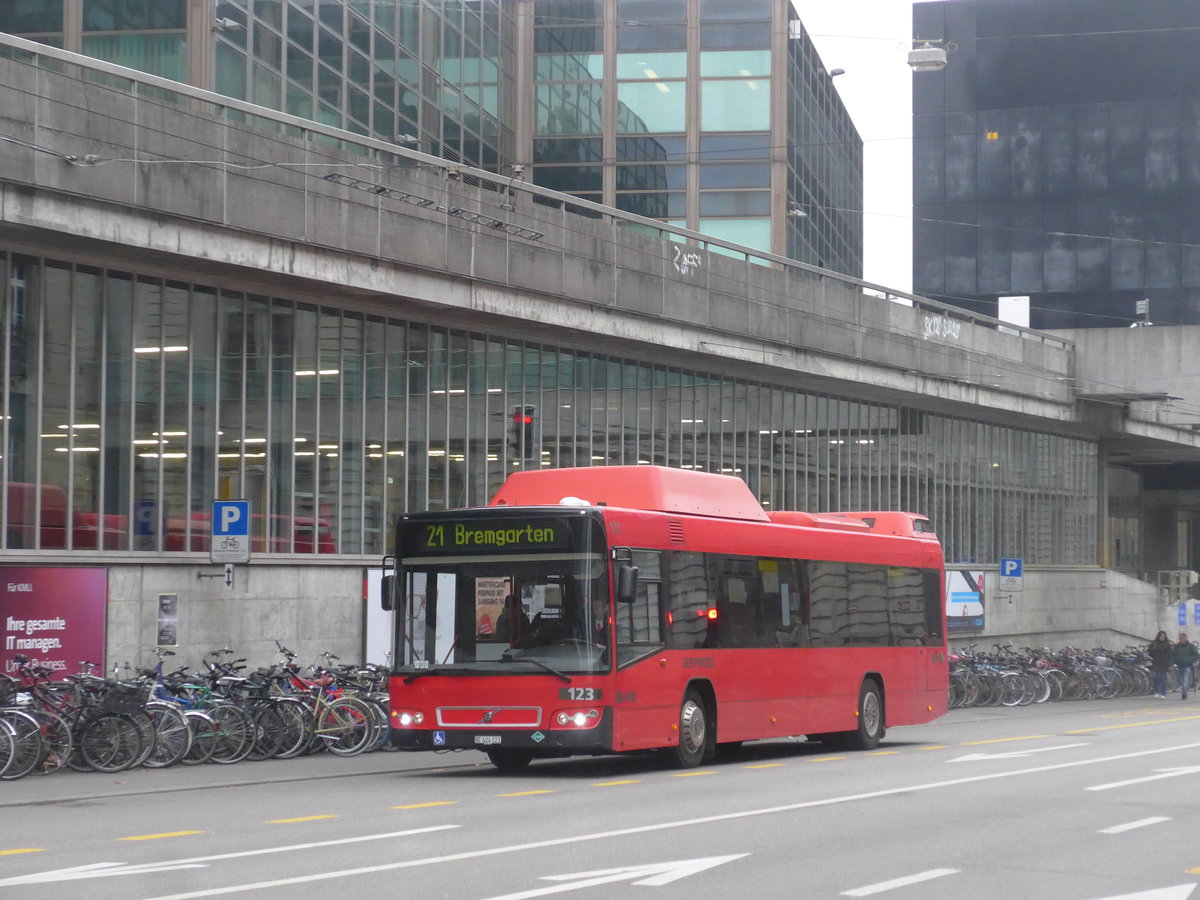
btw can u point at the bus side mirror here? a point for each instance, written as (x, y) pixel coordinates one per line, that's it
(387, 592)
(627, 579)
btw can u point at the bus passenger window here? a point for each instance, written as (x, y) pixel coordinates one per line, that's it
(688, 601)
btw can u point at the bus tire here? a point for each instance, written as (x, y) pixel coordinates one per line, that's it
(870, 729)
(510, 760)
(693, 731)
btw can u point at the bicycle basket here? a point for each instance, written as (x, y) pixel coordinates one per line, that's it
(122, 698)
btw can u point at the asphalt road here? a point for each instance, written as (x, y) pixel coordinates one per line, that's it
(1074, 800)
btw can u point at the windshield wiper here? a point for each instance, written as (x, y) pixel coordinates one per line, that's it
(541, 665)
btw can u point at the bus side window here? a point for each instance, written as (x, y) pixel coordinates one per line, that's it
(686, 581)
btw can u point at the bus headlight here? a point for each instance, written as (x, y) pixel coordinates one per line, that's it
(577, 718)
(406, 718)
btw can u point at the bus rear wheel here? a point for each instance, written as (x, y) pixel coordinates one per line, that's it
(510, 760)
(870, 729)
(693, 731)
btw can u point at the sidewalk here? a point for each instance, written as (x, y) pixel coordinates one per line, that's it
(67, 785)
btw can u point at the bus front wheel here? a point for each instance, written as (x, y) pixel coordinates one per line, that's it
(510, 760)
(693, 731)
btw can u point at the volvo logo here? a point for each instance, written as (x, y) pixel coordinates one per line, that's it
(487, 716)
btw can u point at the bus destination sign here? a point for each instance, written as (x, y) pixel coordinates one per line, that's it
(490, 535)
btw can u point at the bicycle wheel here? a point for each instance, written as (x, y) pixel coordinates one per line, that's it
(60, 742)
(29, 747)
(345, 726)
(204, 737)
(298, 726)
(268, 731)
(234, 733)
(172, 735)
(145, 726)
(110, 742)
(8, 745)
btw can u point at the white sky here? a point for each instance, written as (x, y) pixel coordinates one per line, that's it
(870, 40)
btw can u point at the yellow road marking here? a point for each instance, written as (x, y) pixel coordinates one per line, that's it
(883, 753)
(301, 819)
(826, 758)
(17, 850)
(1134, 724)
(155, 837)
(615, 783)
(692, 774)
(1026, 737)
(427, 805)
(525, 793)
(935, 747)
(764, 766)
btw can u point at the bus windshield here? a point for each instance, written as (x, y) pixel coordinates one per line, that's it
(491, 613)
(505, 609)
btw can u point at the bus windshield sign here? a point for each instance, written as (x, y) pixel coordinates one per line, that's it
(459, 537)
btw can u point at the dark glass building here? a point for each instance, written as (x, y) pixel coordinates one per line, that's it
(1057, 156)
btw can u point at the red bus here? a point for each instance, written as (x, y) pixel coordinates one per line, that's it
(634, 608)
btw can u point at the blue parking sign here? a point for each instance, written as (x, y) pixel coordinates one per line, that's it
(230, 531)
(1182, 615)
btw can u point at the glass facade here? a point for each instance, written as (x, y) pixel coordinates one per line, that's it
(622, 107)
(638, 125)
(435, 76)
(132, 401)
(1055, 158)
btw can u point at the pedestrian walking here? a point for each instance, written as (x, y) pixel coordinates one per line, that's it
(1184, 656)
(1160, 663)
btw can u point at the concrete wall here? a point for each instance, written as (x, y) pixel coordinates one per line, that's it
(309, 609)
(1072, 608)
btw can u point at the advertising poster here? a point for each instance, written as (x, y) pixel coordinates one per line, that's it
(168, 620)
(53, 615)
(964, 601)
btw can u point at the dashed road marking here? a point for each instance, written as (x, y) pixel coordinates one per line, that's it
(426, 805)
(301, 819)
(894, 883)
(526, 793)
(155, 837)
(1129, 826)
(1027, 737)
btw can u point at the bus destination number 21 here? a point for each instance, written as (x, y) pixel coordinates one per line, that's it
(585, 694)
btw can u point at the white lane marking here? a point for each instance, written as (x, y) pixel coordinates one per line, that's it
(95, 870)
(899, 882)
(1012, 754)
(1163, 773)
(651, 875)
(662, 826)
(1129, 826)
(1178, 892)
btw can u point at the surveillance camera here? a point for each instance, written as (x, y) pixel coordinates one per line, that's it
(225, 24)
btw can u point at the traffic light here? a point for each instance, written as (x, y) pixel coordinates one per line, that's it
(521, 440)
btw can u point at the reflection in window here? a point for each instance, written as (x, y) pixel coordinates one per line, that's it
(652, 106)
(743, 105)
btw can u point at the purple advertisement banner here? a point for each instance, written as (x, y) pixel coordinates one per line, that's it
(54, 615)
